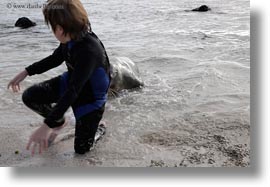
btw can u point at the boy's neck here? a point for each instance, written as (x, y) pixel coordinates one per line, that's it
(66, 39)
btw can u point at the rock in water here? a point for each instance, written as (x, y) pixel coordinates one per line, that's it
(24, 23)
(203, 8)
(125, 75)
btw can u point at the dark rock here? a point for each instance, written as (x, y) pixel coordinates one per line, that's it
(24, 23)
(220, 139)
(155, 163)
(211, 161)
(203, 8)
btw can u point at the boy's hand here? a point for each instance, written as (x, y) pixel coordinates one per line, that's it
(15, 82)
(39, 138)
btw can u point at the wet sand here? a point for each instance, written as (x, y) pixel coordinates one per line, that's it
(226, 144)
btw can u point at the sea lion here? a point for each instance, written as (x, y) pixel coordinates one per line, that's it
(124, 75)
(24, 23)
(203, 8)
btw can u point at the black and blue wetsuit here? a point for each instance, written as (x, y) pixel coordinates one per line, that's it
(83, 87)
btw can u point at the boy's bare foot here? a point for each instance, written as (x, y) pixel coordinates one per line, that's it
(100, 131)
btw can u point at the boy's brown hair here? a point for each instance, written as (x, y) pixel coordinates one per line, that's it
(69, 14)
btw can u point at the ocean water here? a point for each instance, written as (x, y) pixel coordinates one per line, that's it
(194, 109)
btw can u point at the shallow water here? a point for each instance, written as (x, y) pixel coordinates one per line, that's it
(196, 70)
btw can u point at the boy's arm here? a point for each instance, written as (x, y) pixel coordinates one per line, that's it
(85, 64)
(47, 63)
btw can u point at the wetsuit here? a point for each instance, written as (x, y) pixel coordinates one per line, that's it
(83, 87)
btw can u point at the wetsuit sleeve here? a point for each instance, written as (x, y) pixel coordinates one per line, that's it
(47, 63)
(85, 64)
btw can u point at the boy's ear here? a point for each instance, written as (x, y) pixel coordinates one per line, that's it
(59, 29)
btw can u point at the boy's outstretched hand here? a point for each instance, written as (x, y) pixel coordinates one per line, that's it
(15, 82)
(39, 139)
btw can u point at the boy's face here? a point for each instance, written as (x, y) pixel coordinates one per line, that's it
(59, 34)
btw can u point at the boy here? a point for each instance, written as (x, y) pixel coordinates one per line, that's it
(83, 87)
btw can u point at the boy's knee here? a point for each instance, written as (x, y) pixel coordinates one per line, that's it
(29, 93)
(26, 98)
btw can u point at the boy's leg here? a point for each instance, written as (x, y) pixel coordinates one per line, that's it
(85, 130)
(40, 97)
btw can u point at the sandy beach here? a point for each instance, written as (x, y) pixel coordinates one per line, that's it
(225, 145)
